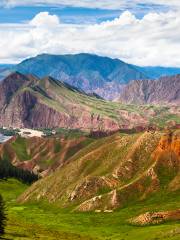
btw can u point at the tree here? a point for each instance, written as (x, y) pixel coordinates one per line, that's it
(2, 216)
(7, 170)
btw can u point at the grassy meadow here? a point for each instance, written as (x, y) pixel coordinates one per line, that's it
(44, 221)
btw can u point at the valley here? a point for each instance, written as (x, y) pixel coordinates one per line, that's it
(59, 206)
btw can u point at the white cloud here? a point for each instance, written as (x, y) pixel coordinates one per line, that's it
(152, 40)
(103, 4)
(43, 19)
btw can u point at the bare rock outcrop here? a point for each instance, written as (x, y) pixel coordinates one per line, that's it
(155, 217)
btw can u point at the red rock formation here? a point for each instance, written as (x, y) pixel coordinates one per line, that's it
(166, 90)
(156, 217)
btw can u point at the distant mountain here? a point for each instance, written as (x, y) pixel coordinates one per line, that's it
(5, 69)
(165, 90)
(157, 72)
(91, 73)
(88, 72)
(28, 101)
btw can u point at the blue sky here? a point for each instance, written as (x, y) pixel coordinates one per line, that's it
(67, 14)
(140, 32)
(73, 14)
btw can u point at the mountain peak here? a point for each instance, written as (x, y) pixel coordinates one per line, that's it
(84, 71)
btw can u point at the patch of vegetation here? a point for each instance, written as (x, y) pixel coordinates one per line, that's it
(57, 147)
(73, 150)
(103, 190)
(20, 148)
(165, 175)
(43, 153)
(2, 216)
(69, 133)
(147, 181)
(62, 132)
(163, 117)
(9, 132)
(47, 131)
(46, 162)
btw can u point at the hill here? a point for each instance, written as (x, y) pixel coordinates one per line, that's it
(124, 180)
(31, 102)
(41, 155)
(114, 172)
(165, 90)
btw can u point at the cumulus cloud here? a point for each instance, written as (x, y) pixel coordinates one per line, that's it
(43, 19)
(103, 4)
(152, 40)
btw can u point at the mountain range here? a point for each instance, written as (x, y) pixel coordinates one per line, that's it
(32, 102)
(88, 72)
(91, 73)
(122, 159)
(165, 90)
(157, 72)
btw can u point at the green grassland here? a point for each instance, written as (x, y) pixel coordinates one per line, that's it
(20, 148)
(44, 221)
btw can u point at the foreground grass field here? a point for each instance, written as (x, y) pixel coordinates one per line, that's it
(44, 221)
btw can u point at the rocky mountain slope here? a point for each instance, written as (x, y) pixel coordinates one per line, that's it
(41, 155)
(166, 90)
(114, 172)
(30, 102)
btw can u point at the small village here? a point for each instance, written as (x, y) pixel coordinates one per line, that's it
(7, 133)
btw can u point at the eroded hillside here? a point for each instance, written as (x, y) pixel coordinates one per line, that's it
(162, 91)
(113, 172)
(41, 155)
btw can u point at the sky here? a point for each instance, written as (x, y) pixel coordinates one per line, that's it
(141, 32)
